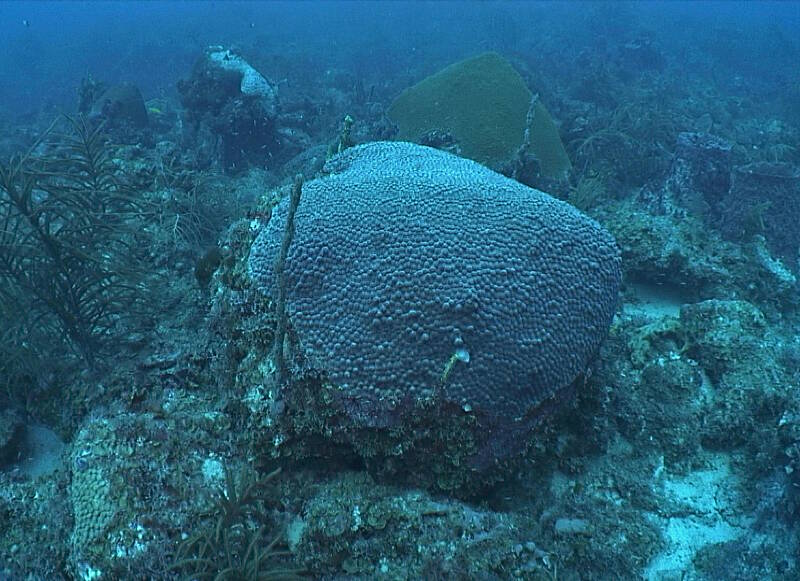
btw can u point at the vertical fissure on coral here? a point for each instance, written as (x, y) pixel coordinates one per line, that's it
(280, 276)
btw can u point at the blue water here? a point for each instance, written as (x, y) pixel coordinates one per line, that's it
(49, 46)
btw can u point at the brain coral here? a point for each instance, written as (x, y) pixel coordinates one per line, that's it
(416, 274)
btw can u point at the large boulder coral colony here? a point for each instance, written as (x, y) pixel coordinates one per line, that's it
(418, 276)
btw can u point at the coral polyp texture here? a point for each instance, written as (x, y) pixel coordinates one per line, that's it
(416, 274)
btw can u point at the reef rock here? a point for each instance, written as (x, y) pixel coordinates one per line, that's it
(227, 98)
(764, 198)
(251, 83)
(122, 103)
(699, 177)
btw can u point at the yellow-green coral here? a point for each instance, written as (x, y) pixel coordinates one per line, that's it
(545, 143)
(484, 104)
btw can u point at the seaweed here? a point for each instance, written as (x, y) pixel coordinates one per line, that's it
(588, 192)
(229, 545)
(631, 144)
(69, 272)
(189, 210)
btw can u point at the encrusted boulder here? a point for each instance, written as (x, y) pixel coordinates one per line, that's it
(702, 165)
(120, 104)
(764, 199)
(251, 82)
(699, 177)
(421, 284)
(228, 100)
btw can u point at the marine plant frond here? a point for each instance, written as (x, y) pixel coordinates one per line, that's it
(67, 238)
(587, 193)
(229, 545)
(234, 502)
(779, 152)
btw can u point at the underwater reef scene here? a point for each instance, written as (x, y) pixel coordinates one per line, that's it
(400, 291)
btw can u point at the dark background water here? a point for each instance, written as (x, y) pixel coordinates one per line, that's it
(48, 47)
